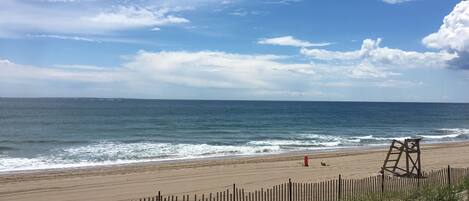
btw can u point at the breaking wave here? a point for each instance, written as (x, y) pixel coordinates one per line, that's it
(110, 152)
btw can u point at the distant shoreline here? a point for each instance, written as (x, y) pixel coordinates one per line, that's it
(243, 100)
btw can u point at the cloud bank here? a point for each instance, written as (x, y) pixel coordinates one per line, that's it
(374, 61)
(18, 18)
(215, 69)
(372, 52)
(133, 17)
(183, 74)
(204, 70)
(453, 36)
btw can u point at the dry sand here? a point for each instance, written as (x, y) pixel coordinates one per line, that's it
(127, 182)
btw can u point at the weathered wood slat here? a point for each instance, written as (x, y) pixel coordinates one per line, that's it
(336, 189)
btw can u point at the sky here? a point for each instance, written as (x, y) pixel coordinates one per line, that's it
(335, 50)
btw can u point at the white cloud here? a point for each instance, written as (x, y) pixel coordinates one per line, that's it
(368, 46)
(26, 73)
(372, 61)
(77, 38)
(366, 70)
(133, 17)
(202, 74)
(453, 35)
(81, 67)
(290, 41)
(396, 1)
(204, 70)
(214, 69)
(254, 73)
(97, 39)
(372, 53)
(19, 18)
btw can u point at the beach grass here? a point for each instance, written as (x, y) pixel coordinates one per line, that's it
(428, 193)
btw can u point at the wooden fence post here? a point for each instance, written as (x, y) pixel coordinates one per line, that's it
(418, 181)
(234, 192)
(449, 176)
(338, 189)
(382, 184)
(339, 196)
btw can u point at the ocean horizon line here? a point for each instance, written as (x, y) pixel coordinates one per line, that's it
(240, 100)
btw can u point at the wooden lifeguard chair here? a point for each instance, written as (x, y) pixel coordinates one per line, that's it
(411, 149)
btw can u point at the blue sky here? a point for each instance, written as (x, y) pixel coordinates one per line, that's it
(364, 50)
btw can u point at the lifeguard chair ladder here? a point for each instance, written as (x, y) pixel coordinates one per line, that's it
(411, 149)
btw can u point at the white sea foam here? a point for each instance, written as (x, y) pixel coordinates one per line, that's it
(447, 133)
(108, 153)
(21, 164)
(283, 143)
(371, 137)
(439, 136)
(460, 131)
(321, 137)
(330, 144)
(329, 140)
(299, 144)
(365, 137)
(307, 141)
(113, 151)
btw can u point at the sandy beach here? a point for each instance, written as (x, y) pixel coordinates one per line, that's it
(134, 100)
(125, 182)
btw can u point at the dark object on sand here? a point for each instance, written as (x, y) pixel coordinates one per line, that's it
(411, 149)
(324, 164)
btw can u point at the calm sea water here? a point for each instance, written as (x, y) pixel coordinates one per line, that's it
(60, 133)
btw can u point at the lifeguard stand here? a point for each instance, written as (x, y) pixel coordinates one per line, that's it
(411, 149)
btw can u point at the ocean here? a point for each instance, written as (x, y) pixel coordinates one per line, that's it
(48, 133)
